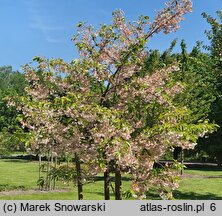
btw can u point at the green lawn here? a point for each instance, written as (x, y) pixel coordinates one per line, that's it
(22, 175)
(213, 171)
(18, 174)
(199, 188)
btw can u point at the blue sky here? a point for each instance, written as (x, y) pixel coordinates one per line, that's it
(45, 27)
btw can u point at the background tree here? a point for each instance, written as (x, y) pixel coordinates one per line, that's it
(199, 84)
(12, 84)
(213, 145)
(197, 77)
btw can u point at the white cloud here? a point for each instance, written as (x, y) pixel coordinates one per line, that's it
(40, 20)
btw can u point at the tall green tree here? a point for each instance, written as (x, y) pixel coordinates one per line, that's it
(213, 145)
(197, 77)
(12, 84)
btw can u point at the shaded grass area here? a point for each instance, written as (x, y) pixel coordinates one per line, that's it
(22, 176)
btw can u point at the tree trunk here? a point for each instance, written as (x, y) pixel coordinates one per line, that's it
(106, 184)
(40, 163)
(51, 176)
(47, 185)
(182, 161)
(118, 183)
(54, 179)
(79, 177)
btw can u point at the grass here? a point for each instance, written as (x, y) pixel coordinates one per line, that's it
(22, 175)
(199, 189)
(205, 171)
(18, 173)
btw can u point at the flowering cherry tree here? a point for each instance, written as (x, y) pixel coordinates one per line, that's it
(104, 109)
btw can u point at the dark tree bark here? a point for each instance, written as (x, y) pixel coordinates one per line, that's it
(79, 177)
(106, 184)
(118, 183)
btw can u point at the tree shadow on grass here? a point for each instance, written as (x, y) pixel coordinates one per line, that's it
(112, 179)
(7, 187)
(195, 196)
(112, 195)
(15, 161)
(178, 195)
